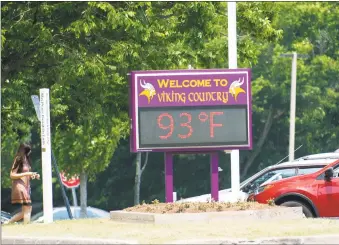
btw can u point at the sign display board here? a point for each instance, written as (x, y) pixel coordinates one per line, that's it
(191, 110)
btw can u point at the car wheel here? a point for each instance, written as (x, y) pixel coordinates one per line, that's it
(307, 212)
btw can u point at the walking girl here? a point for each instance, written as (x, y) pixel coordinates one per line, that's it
(21, 176)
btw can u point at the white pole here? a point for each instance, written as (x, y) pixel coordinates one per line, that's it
(233, 64)
(46, 156)
(232, 35)
(75, 201)
(293, 105)
(174, 196)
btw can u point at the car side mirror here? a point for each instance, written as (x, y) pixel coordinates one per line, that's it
(246, 188)
(249, 188)
(329, 173)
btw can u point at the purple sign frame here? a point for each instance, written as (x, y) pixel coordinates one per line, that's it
(189, 88)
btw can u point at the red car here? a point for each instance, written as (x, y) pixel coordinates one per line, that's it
(317, 193)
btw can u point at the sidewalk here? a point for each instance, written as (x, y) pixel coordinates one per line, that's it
(324, 239)
(62, 240)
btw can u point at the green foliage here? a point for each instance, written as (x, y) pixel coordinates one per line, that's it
(309, 29)
(83, 51)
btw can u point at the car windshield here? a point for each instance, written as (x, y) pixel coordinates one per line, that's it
(268, 176)
(246, 181)
(305, 170)
(278, 174)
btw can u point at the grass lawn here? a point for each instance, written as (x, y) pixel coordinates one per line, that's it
(151, 233)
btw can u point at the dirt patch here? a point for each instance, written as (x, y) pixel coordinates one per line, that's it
(196, 207)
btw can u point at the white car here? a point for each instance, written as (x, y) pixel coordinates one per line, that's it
(60, 213)
(304, 165)
(5, 217)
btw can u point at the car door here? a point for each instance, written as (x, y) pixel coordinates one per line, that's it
(328, 195)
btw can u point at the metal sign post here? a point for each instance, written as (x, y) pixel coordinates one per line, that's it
(75, 201)
(36, 103)
(46, 156)
(72, 184)
(233, 63)
(62, 188)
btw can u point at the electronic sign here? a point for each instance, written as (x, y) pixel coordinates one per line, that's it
(190, 110)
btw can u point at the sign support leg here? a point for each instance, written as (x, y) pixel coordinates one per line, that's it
(214, 161)
(169, 176)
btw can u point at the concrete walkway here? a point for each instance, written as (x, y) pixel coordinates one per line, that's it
(62, 240)
(323, 239)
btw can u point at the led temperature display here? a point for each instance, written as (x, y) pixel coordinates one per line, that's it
(190, 110)
(194, 126)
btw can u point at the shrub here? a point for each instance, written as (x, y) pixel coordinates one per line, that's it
(271, 202)
(155, 201)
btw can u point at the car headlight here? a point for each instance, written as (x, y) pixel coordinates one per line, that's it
(262, 188)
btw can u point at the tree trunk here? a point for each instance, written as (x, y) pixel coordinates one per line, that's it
(262, 139)
(138, 173)
(83, 194)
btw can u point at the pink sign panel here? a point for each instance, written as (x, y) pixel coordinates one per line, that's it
(190, 110)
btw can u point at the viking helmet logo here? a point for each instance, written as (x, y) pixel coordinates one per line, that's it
(235, 88)
(149, 90)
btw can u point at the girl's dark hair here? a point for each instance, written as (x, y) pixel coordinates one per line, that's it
(21, 156)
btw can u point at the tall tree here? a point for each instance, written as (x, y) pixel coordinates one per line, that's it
(308, 28)
(83, 51)
(45, 47)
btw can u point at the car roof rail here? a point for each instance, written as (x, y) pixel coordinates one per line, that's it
(329, 155)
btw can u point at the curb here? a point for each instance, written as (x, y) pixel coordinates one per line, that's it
(62, 240)
(276, 213)
(321, 239)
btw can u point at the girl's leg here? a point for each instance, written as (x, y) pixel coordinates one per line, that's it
(27, 210)
(17, 217)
